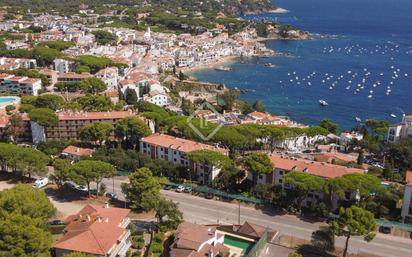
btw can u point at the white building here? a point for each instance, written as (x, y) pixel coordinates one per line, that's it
(62, 66)
(110, 76)
(19, 85)
(157, 98)
(175, 150)
(400, 130)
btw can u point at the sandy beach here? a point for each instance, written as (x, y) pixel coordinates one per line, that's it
(221, 62)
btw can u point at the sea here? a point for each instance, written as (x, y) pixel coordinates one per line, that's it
(359, 61)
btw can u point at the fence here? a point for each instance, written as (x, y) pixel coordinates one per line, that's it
(222, 194)
(259, 245)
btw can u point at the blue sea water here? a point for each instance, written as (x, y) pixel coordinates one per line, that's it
(360, 62)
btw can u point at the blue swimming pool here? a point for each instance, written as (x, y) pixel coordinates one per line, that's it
(7, 100)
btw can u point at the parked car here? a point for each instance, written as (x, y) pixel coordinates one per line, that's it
(180, 189)
(93, 191)
(209, 196)
(41, 183)
(112, 195)
(56, 222)
(188, 190)
(167, 187)
(82, 188)
(385, 230)
(70, 185)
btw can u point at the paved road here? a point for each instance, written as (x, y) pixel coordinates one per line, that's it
(200, 210)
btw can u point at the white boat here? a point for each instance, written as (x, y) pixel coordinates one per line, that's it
(270, 65)
(358, 119)
(323, 103)
(222, 68)
(393, 115)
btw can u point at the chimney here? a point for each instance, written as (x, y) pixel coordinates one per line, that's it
(99, 219)
(106, 220)
(77, 149)
(106, 205)
(88, 217)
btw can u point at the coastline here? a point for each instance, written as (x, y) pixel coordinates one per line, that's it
(278, 10)
(222, 62)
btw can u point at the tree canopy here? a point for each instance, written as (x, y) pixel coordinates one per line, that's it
(97, 132)
(143, 191)
(44, 116)
(130, 130)
(93, 86)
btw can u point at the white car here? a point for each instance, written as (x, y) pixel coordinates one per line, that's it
(42, 182)
(82, 188)
(180, 189)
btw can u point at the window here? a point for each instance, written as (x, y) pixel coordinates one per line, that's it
(144, 145)
(280, 181)
(310, 195)
(281, 172)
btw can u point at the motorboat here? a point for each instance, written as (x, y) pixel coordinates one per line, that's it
(323, 103)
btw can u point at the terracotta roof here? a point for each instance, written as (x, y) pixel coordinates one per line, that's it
(183, 145)
(192, 236)
(258, 114)
(329, 157)
(4, 121)
(251, 229)
(94, 230)
(408, 178)
(71, 75)
(320, 169)
(93, 115)
(77, 151)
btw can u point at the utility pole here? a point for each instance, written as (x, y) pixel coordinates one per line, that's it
(238, 217)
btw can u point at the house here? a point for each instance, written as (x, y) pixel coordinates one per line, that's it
(406, 212)
(97, 230)
(109, 75)
(349, 137)
(63, 66)
(7, 63)
(75, 153)
(195, 240)
(175, 150)
(157, 98)
(400, 130)
(73, 77)
(19, 85)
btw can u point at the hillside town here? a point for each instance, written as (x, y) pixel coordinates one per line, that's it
(109, 147)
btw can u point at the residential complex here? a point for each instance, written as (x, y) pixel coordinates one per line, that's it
(407, 200)
(70, 122)
(97, 230)
(19, 85)
(175, 150)
(400, 130)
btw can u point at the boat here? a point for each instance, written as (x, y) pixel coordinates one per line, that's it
(222, 68)
(270, 65)
(323, 103)
(393, 115)
(358, 119)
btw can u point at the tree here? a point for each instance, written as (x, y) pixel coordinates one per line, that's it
(143, 191)
(53, 102)
(168, 209)
(62, 172)
(46, 56)
(329, 125)
(95, 103)
(210, 158)
(354, 221)
(131, 96)
(53, 146)
(82, 69)
(87, 171)
(301, 183)
(360, 159)
(26, 201)
(229, 98)
(245, 107)
(97, 132)
(187, 107)
(258, 163)
(104, 37)
(31, 161)
(258, 106)
(14, 128)
(44, 117)
(131, 130)
(323, 239)
(93, 86)
(294, 254)
(58, 45)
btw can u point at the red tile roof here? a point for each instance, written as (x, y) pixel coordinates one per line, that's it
(94, 230)
(183, 145)
(408, 178)
(320, 169)
(77, 151)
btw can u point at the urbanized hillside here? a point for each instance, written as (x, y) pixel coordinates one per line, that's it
(227, 6)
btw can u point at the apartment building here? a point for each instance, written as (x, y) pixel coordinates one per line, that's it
(73, 77)
(70, 123)
(7, 63)
(407, 200)
(157, 98)
(19, 85)
(175, 150)
(96, 230)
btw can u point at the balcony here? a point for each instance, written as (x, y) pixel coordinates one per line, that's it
(122, 246)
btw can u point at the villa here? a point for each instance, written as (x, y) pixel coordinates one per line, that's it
(400, 130)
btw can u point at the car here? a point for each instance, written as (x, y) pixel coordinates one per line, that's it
(385, 230)
(112, 195)
(180, 189)
(69, 184)
(82, 188)
(209, 196)
(307, 151)
(93, 191)
(56, 222)
(188, 189)
(167, 187)
(41, 183)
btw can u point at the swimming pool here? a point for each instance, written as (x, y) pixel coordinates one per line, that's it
(7, 100)
(238, 242)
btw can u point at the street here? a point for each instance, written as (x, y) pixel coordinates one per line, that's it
(204, 211)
